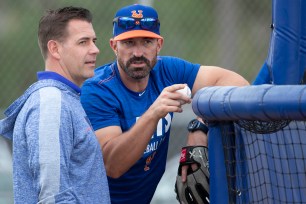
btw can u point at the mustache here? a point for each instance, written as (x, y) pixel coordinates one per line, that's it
(135, 59)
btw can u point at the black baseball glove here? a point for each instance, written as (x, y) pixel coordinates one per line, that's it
(196, 189)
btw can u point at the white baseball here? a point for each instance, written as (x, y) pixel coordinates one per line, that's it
(185, 91)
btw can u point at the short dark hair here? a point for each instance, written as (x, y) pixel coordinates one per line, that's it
(52, 26)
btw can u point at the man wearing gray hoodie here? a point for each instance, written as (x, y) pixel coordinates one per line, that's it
(56, 156)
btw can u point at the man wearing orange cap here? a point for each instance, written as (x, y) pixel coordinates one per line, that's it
(131, 102)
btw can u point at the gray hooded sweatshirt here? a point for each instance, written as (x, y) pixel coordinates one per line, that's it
(56, 156)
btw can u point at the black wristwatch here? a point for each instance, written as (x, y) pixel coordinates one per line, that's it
(195, 124)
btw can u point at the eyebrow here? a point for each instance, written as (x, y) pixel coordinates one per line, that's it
(87, 38)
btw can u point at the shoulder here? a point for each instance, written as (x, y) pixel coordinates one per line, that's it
(171, 61)
(105, 78)
(59, 97)
(103, 74)
(45, 101)
(46, 94)
(49, 92)
(171, 64)
(54, 99)
(168, 59)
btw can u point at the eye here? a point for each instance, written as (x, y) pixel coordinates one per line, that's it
(149, 41)
(128, 42)
(83, 42)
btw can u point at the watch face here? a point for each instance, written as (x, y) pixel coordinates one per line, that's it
(193, 124)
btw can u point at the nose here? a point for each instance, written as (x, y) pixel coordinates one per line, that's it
(94, 49)
(138, 51)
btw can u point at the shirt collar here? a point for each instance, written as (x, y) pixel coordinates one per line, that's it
(53, 75)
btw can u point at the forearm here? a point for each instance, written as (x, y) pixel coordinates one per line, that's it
(129, 146)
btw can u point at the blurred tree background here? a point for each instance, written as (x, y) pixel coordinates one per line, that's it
(229, 33)
(233, 34)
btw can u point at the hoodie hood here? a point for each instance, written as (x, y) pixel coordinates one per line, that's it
(7, 124)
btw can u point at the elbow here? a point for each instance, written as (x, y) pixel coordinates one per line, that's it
(113, 171)
(114, 168)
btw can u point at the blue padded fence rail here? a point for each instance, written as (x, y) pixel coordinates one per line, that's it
(255, 102)
(231, 103)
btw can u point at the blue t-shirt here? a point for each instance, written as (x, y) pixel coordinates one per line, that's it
(108, 102)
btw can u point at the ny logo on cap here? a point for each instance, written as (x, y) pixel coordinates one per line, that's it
(137, 15)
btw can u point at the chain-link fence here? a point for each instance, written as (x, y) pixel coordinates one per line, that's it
(233, 34)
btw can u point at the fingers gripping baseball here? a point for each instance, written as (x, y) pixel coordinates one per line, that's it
(170, 100)
(186, 92)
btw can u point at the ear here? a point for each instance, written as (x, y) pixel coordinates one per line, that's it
(113, 45)
(53, 48)
(160, 43)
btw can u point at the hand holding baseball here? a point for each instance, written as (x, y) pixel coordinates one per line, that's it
(185, 91)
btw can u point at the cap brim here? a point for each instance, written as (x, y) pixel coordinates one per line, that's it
(137, 34)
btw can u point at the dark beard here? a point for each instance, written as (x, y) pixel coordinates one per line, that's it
(139, 72)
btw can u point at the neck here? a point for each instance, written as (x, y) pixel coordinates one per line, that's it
(56, 67)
